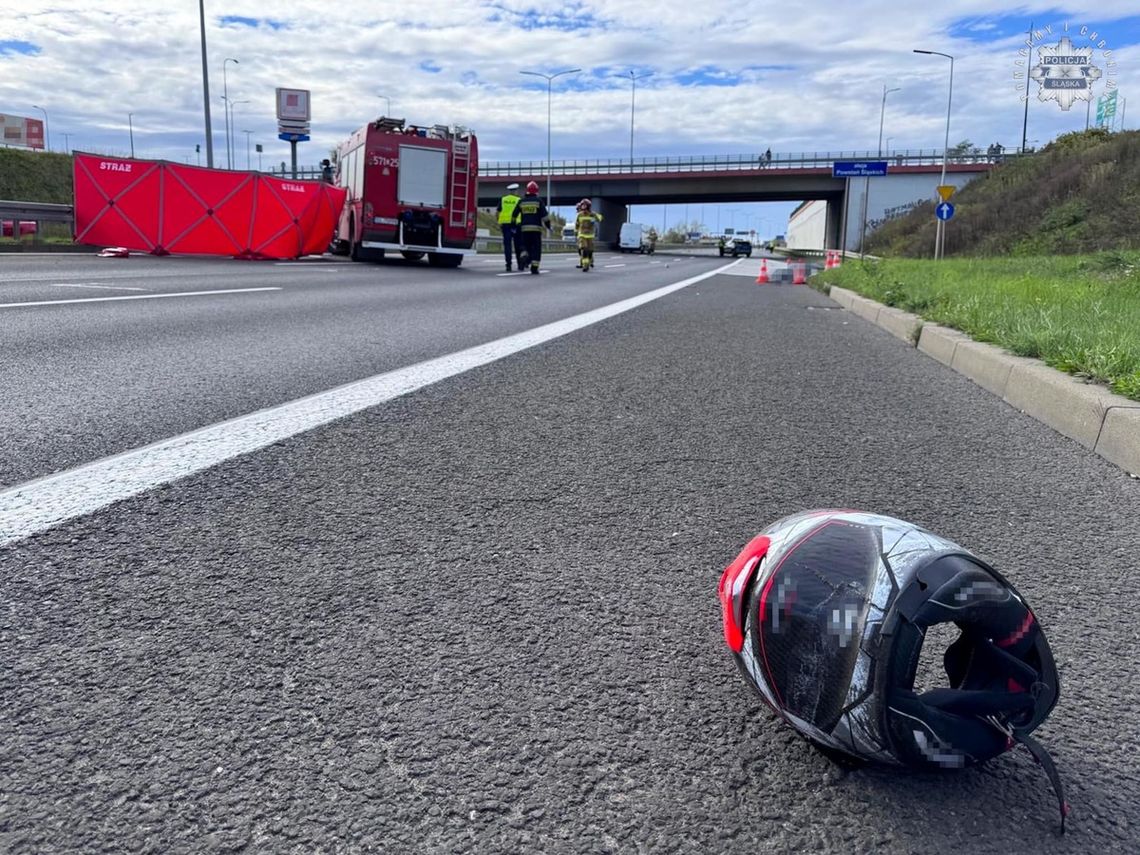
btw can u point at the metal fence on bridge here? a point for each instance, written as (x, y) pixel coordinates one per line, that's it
(726, 162)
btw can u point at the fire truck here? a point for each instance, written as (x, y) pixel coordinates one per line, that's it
(411, 190)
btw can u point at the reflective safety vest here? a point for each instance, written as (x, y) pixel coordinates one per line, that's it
(507, 208)
(587, 224)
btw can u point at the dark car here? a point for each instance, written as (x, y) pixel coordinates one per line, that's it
(739, 246)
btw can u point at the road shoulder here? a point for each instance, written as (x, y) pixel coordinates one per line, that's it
(1096, 418)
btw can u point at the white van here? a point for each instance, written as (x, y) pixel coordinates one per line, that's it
(634, 237)
(568, 232)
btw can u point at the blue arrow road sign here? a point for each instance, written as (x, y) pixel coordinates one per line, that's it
(858, 168)
(293, 137)
(944, 211)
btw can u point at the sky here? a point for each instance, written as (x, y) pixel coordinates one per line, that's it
(718, 77)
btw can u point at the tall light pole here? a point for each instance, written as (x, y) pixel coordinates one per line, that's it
(633, 78)
(549, 80)
(233, 106)
(247, 161)
(47, 134)
(67, 143)
(226, 99)
(131, 128)
(940, 229)
(388, 102)
(206, 86)
(867, 181)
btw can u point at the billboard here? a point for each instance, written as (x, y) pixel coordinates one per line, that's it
(22, 131)
(293, 106)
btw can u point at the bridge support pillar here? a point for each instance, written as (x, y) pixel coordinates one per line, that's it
(613, 215)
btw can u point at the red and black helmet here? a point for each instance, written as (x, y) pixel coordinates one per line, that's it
(826, 613)
(532, 188)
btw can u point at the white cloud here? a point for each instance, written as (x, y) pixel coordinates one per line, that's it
(810, 75)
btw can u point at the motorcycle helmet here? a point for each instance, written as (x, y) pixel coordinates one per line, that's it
(532, 188)
(826, 612)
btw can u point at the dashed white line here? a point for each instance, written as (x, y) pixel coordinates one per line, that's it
(131, 297)
(88, 285)
(39, 505)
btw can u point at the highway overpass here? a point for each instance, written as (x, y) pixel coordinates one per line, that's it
(615, 184)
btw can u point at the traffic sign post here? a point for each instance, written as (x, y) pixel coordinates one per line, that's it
(945, 191)
(944, 211)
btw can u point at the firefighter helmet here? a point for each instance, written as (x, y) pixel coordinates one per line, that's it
(532, 188)
(826, 613)
(584, 205)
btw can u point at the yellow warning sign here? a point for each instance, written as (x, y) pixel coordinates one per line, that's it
(946, 191)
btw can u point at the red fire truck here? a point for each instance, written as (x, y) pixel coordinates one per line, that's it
(411, 190)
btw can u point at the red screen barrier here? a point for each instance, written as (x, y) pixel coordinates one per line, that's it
(167, 208)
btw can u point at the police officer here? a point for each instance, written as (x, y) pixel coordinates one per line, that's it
(505, 211)
(533, 219)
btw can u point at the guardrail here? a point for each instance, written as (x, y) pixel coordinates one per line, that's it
(726, 162)
(40, 212)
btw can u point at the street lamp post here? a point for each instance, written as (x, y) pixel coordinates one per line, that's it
(247, 161)
(47, 134)
(232, 108)
(226, 98)
(549, 80)
(206, 86)
(867, 181)
(131, 128)
(940, 229)
(633, 78)
(67, 143)
(388, 102)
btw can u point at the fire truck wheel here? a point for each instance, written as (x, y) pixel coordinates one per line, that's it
(411, 255)
(440, 259)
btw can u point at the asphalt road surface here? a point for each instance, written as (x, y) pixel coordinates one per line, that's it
(482, 617)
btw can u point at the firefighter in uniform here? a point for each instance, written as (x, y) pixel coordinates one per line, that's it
(533, 219)
(586, 227)
(512, 246)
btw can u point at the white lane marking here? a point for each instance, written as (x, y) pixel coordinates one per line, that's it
(613, 265)
(88, 285)
(132, 297)
(308, 264)
(46, 502)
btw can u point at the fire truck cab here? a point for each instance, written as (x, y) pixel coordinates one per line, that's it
(411, 190)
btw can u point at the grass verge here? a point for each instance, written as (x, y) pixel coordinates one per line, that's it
(1079, 313)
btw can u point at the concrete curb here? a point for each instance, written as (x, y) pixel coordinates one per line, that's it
(1091, 415)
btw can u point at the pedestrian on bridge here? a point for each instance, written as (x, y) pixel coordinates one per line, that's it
(512, 246)
(533, 219)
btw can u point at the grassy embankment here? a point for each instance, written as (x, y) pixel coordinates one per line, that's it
(27, 176)
(1079, 314)
(1047, 260)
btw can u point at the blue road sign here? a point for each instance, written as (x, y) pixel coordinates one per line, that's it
(944, 211)
(293, 137)
(858, 168)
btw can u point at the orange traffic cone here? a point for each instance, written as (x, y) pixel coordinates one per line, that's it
(799, 274)
(762, 279)
(835, 256)
(830, 263)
